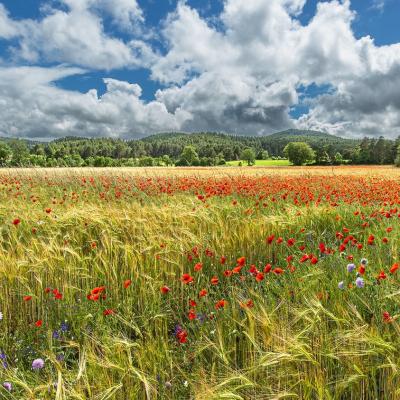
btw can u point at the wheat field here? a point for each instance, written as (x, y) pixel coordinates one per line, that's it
(192, 283)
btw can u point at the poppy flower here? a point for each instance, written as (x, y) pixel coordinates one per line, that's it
(228, 273)
(191, 315)
(241, 261)
(222, 260)
(361, 270)
(165, 289)
(198, 266)
(291, 242)
(27, 298)
(181, 335)
(109, 311)
(259, 277)
(16, 221)
(39, 323)
(186, 279)
(203, 293)
(386, 317)
(98, 290)
(214, 280)
(220, 304)
(385, 240)
(314, 260)
(278, 271)
(394, 268)
(236, 270)
(381, 275)
(127, 283)
(192, 303)
(267, 268)
(270, 239)
(47, 290)
(48, 210)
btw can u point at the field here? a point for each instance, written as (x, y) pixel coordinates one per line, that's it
(196, 283)
(262, 163)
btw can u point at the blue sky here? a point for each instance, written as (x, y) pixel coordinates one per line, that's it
(147, 43)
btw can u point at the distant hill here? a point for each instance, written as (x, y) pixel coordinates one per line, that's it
(274, 143)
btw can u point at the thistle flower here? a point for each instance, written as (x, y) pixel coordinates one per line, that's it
(38, 363)
(360, 282)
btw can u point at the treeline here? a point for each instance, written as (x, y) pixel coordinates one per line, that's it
(205, 149)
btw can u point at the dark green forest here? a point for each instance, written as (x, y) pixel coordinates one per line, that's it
(205, 149)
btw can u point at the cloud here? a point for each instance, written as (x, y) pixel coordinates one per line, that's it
(8, 28)
(240, 72)
(245, 75)
(32, 106)
(76, 36)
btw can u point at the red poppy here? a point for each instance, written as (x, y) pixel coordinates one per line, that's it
(109, 311)
(361, 270)
(236, 270)
(47, 290)
(39, 323)
(198, 266)
(381, 275)
(270, 239)
(186, 279)
(259, 277)
(278, 271)
(267, 268)
(394, 268)
(214, 280)
(98, 290)
(181, 335)
(48, 210)
(127, 283)
(241, 261)
(314, 260)
(192, 303)
(222, 260)
(16, 221)
(228, 272)
(386, 317)
(191, 314)
(291, 242)
(203, 293)
(165, 289)
(27, 298)
(220, 304)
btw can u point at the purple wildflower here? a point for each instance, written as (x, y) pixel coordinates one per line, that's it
(341, 285)
(360, 282)
(38, 363)
(351, 267)
(7, 386)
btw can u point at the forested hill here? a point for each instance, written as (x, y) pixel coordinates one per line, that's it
(211, 148)
(210, 144)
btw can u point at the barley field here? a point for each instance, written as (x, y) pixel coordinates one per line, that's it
(191, 283)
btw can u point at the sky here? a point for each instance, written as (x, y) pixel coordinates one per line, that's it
(131, 68)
